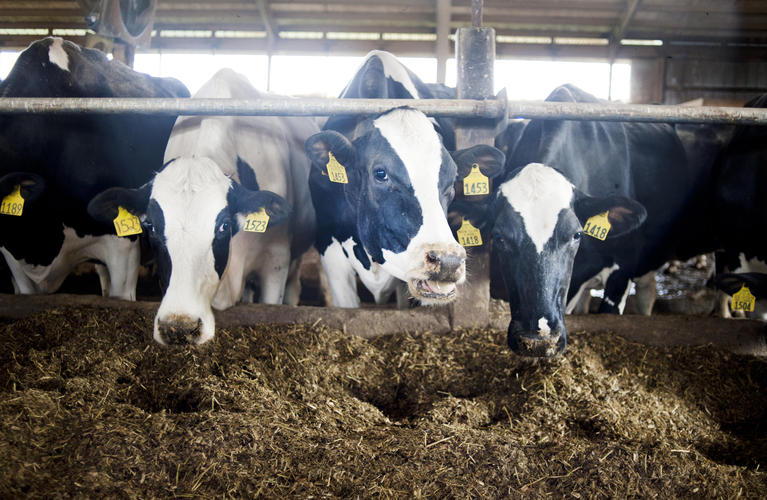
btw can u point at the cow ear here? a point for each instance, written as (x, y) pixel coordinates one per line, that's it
(477, 212)
(103, 206)
(32, 185)
(329, 141)
(244, 201)
(624, 214)
(731, 283)
(490, 160)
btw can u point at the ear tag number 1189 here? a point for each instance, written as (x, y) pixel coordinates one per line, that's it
(13, 204)
(256, 222)
(476, 183)
(126, 224)
(597, 226)
(336, 171)
(743, 300)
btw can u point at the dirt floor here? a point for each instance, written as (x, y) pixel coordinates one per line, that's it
(91, 407)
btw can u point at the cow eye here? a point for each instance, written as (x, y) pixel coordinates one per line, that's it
(223, 228)
(577, 236)
(380, 174)
(148, 226)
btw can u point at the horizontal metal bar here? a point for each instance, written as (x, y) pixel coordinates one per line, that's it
(433, 107)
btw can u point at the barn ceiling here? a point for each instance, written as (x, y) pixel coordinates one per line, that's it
(526, 28)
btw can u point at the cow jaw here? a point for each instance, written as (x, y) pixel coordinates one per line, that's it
(430, 292)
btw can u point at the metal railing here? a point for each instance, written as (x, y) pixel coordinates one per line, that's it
(490, 108)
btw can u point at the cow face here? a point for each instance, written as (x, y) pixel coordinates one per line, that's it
(400, 184)
(537, 229)
(190, 212)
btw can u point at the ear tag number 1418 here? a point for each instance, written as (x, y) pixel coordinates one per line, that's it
(476, 183)
(256, 222)
(743, 300)
(336, 171)
(13, 204)
(126, 224)
(597, 226)
(468, 235)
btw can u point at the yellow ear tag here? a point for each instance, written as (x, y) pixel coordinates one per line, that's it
(468, 235)
(743, 300)
(597, 226)
(476, 183)
(126, 224)
(336, 171)
(256, 222)
(13, 204)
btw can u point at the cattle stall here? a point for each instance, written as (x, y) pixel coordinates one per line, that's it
(423, 402)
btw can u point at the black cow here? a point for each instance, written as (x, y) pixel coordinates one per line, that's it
(59, 162)
(388, 223)
(559, 176)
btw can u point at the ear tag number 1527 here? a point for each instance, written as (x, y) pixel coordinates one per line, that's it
(743, 300)
(597, 226)
(476, 183)
(13, 204)
(468, 235)
(336, 171)
(256, 222)
(126, 224)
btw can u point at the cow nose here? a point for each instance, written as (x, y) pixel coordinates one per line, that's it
(444, 266)
(180, 330)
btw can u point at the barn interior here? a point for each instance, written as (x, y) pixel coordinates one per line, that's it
(285, 402)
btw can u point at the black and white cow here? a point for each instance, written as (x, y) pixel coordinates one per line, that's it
(387, 224)
(219, 170)
(59, 162)
(560, 174)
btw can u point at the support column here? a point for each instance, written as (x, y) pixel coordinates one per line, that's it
(443, 42)
(475, 52)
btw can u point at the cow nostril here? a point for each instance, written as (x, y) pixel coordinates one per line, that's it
(432, 257)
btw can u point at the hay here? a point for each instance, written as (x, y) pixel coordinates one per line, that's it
(91, 407)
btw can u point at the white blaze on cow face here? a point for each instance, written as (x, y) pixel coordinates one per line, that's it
(192, 193)
(538, 194)
(57, 55)
(412, 136)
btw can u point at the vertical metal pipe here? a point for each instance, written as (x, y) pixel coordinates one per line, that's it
(476, 13)
(443, 43)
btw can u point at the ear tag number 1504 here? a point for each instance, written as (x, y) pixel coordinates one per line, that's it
(597, 226)
(476, 183)
(256, 222)
(126, 224)
(743, 300)
(336, 171)
(13, 204)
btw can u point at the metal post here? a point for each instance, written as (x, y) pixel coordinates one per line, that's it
(443, 43)
(475, 53)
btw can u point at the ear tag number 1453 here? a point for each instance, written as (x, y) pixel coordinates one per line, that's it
(597, 226)
(13, 204)
(468, 235)
(336, 171)
(476, 183)
(256, 222)
(743, 300)
(126, 224)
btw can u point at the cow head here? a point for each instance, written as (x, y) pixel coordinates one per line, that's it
(190, 211)
(537, 225)
(400, 184)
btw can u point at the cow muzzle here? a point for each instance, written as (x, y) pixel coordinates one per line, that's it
(536, 343)
(179, 330)
(443, 270)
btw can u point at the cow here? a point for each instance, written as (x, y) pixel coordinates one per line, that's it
(57, 163)
(560, 175)
(219, 170)
(387, 222)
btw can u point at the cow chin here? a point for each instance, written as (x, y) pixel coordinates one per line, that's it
(432, 293)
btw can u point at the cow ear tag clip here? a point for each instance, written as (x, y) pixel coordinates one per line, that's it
(256, 222)
(126, 224)
(13, 204)
(598, 226)
(743, 300)
(476, 183)
(468, 235)
(336, 171)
